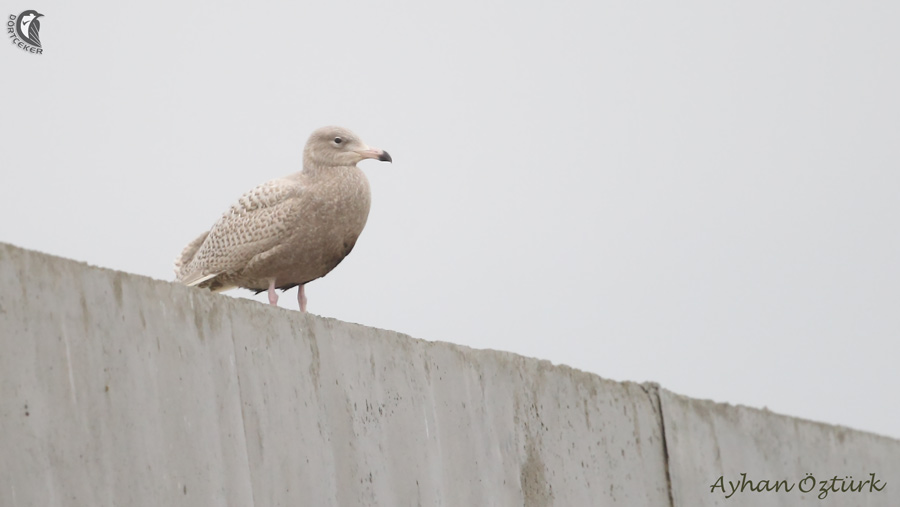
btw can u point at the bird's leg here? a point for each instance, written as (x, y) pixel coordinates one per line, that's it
(273, 298)
(301, 298)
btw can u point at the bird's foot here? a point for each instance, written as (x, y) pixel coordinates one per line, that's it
(301, 298)
(273, 297)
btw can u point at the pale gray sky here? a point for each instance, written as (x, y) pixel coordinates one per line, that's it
(703, 194)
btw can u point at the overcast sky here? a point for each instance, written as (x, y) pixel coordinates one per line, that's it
(702, 194)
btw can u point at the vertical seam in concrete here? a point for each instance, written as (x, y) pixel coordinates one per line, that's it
(662, 423)
(237, 374)
(653, 391)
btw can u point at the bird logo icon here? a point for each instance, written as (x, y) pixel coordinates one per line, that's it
(28, 27)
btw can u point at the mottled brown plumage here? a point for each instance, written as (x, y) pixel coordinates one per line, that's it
(291, 230)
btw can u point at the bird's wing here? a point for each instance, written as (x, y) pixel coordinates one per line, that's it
(34, 31)
(258, 222)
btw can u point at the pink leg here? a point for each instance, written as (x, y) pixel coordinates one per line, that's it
(273, 298)
(301, 298)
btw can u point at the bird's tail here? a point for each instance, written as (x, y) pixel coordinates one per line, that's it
(187, 255)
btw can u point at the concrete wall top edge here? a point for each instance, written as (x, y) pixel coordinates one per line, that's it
(245, 304)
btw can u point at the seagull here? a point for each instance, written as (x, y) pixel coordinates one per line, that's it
(289, 231)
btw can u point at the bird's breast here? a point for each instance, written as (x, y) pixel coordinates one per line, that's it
(339, 205)
(331, 216)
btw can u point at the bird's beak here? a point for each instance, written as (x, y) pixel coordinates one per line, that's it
(376, 154)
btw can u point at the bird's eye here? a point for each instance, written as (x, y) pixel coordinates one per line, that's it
(338, 140)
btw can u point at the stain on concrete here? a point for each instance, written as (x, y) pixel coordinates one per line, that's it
(315, 361)
(214, 319)
(85, 316)
(533, 477)
(198, 323)
(117, 288)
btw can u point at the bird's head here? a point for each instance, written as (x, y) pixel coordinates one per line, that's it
(29, 16)
(337, 146)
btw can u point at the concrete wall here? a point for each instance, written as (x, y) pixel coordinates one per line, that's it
(119, 390)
